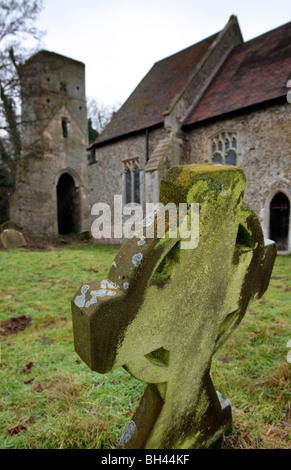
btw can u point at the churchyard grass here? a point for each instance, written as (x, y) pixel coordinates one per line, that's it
(50, 399)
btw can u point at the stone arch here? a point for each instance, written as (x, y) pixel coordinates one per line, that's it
(68, 202)
(279, 219)
(72, 173)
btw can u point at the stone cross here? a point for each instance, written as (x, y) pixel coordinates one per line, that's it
(163, 311)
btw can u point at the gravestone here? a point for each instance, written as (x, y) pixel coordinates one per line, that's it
(11, 236)
(163, 311)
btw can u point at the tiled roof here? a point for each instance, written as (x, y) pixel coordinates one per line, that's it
(145, 106)
(254, 72)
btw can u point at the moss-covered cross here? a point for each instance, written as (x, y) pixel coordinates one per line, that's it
(164, 311)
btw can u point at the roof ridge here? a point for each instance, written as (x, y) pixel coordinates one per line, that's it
(186, 48)
(240, 82)
(245, 43)
(211, 49)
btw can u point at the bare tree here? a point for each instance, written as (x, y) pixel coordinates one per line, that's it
(100, 114)
(19, 37)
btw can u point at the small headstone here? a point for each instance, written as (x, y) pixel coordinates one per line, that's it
(12, 238)
(164, 310)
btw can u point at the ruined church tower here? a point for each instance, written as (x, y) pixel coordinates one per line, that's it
(51, 195)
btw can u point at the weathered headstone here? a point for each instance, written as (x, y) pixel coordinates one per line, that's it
(164, 311)
(11, 236)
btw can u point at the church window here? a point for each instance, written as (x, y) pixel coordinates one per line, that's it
(128, 185)
(136, 185)
(217, 158)
(224, 148)
(132, 180)
(65, 127)
(230, 158)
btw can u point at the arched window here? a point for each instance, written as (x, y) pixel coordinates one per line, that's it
(132, 180)
(224, 148)
(128, 185)
(136, 185)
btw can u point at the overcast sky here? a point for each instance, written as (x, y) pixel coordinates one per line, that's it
(120, 40)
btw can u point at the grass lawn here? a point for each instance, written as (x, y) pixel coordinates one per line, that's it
(50, 399)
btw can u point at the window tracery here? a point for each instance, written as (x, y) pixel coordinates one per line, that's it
(132, 180)
(224, 148)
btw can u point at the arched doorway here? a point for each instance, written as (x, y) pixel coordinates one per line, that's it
(68, 205)
(279, 220)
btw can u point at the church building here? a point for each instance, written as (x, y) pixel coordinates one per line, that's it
(221, 100)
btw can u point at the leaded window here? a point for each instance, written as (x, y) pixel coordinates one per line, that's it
(132, 180)
(224, 148)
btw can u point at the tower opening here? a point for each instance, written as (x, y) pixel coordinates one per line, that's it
(279, 220)
(68, 205)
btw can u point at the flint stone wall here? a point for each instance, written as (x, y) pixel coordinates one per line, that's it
(263, 152)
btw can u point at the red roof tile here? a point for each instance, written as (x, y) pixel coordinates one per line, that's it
(145, 106)
(254, 72)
